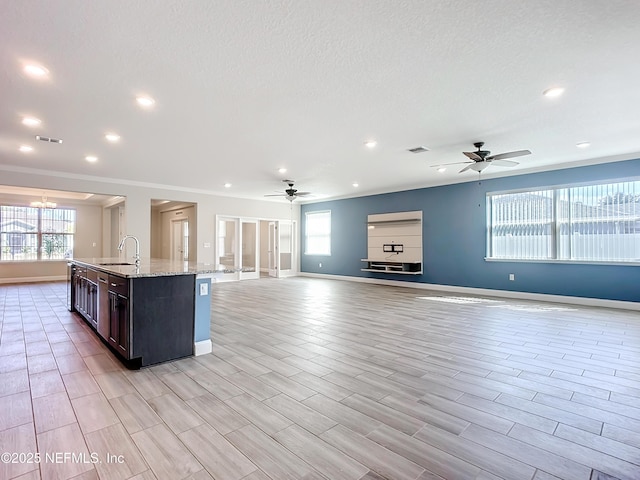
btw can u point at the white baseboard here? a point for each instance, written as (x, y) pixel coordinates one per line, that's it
(202, 347)
(543, 297)
(52, 278)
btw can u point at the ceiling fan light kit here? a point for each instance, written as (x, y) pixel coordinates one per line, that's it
(479, 166)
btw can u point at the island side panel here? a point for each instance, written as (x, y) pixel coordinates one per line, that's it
(202, 327)
(162, 318)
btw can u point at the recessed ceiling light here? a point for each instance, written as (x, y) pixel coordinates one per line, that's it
(356, 184)
(227, 185)
(442, 169)
(553, 92)
(31, 121)
(145, 101)
(112, 137)
(35, 71)
(583, 145)
(371, 143)
(282, 170)
(26, 148)
(91, 158)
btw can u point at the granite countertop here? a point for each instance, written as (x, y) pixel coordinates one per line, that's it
(149, 267)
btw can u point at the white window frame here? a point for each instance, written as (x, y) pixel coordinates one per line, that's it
(574, 238)
(41, 249)
(322, 238)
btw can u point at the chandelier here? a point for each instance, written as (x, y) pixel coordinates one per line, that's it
(44, 203)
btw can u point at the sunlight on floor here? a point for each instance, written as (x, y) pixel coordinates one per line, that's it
(500, 304)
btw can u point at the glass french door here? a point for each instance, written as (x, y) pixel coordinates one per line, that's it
(281, 249)
(272, 249)
(286, 243)
(249, 249)
(227, 247)
(238, 247)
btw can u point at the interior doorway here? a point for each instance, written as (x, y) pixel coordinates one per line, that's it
(173, 228)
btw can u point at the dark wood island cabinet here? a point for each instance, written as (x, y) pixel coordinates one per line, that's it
(145, 314)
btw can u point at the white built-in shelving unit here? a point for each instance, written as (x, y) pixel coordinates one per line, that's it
(394, 243)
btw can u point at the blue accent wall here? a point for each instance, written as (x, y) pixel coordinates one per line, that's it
(454, 238)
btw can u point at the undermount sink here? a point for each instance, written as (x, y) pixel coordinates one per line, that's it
(115, 263)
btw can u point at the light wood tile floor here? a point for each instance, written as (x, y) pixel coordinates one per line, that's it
(324, 379)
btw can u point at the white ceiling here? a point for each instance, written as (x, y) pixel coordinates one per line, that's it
(243, 87)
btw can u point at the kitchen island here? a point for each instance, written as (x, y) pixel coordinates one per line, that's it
(149, 313)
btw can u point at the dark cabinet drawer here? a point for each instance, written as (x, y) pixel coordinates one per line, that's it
(119, 285)
(103, 278)
(92, 275)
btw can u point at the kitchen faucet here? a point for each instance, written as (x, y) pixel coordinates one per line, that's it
(137, 255)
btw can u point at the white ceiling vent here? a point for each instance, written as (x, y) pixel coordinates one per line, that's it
(47, 139)
(419, 149)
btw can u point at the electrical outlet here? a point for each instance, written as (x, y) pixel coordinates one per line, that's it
(512, 276)
(204, 289)
(320, 265)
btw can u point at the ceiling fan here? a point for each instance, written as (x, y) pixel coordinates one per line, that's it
(290, 193)
(481, 159)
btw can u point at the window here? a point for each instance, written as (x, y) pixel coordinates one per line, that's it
(522, 225)
(28, 233)
(592, 223)
(317, 233)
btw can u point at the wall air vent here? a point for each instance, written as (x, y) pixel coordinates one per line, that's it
(419, 149)
(48, 139)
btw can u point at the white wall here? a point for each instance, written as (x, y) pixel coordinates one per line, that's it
(88, 237)
(138, 205)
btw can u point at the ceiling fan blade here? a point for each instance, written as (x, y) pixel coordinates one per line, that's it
(276, 195)
(473, 156)
(446, 164)
(504, 163)
(467, 167)
(302, 194)
(518, 153)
